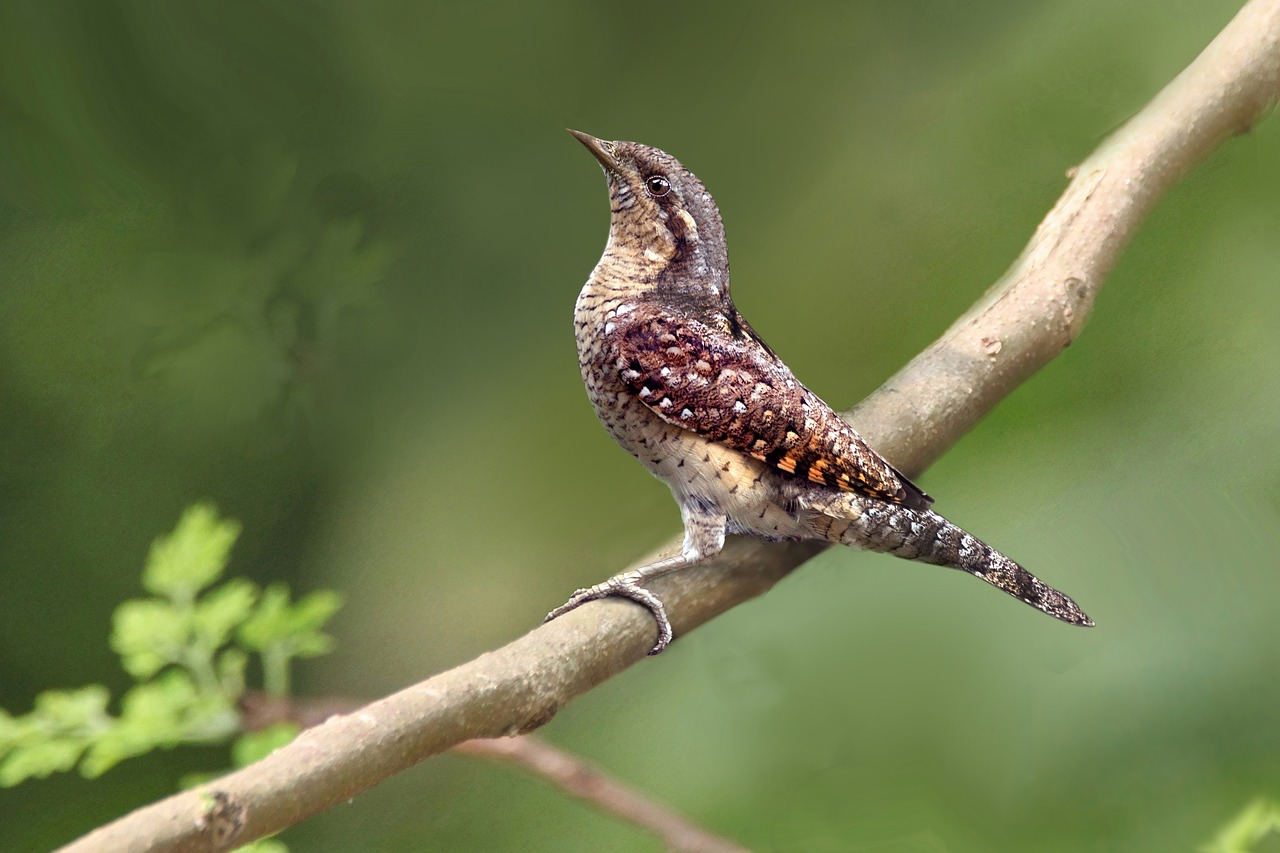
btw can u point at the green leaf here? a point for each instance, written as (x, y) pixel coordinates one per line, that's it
(38, 760)
(72, 709)
(160, 705)
(269, 621)
(312, 611)
(161, 714)
(114, 746)
(148, 635)
(219, 612)
(312, 645)
(151, 716)
(296, 627)
(174, 709)
(52, 737)
(253, 746)
(192, 556)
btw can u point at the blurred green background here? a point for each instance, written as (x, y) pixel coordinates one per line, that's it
(316, 262)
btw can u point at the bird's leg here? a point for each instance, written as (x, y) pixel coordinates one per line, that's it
(704, 531)
(627, 585)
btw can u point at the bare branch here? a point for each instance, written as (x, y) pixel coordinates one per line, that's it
(553, 765)
(1033, 312)
(598, 790)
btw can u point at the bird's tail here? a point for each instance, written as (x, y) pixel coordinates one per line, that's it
(925, 536)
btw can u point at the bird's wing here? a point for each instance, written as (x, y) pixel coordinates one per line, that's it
(734, 392)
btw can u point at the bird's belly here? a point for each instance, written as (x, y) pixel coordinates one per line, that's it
(698, 470)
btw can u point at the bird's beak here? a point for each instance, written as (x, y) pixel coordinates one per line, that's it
(602, 150)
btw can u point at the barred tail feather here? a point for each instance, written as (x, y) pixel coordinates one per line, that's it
(1003, 573)
(927, 537)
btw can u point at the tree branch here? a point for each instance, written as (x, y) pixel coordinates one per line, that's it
(1035, 310)
(579, 779)
(553, 765)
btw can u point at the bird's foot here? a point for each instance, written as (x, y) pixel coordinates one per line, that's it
(626, 588)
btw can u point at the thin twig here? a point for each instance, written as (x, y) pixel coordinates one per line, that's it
(592, 786)
(553, 765)
(1033, 312)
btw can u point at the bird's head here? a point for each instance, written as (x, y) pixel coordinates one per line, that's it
(663, 219)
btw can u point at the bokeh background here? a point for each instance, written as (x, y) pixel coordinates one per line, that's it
(316, 262)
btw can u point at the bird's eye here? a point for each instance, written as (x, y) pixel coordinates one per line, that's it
(657, 186)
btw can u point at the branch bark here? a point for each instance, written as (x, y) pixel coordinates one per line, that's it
(1031, 314)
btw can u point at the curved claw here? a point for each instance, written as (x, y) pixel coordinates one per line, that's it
(624, 589)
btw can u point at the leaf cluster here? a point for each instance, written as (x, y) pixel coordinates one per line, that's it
(188, 646)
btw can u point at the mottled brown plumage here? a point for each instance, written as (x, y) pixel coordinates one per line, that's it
(681, 381)
(733, 390)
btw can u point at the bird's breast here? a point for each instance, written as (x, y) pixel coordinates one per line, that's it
(694, 467)
(597, 316)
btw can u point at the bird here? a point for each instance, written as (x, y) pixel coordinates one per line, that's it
(680, 380)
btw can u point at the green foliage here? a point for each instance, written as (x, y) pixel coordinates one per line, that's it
(192, 557)
(280, 632)
(61, 726)
(1258, 822)
(188, 646)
